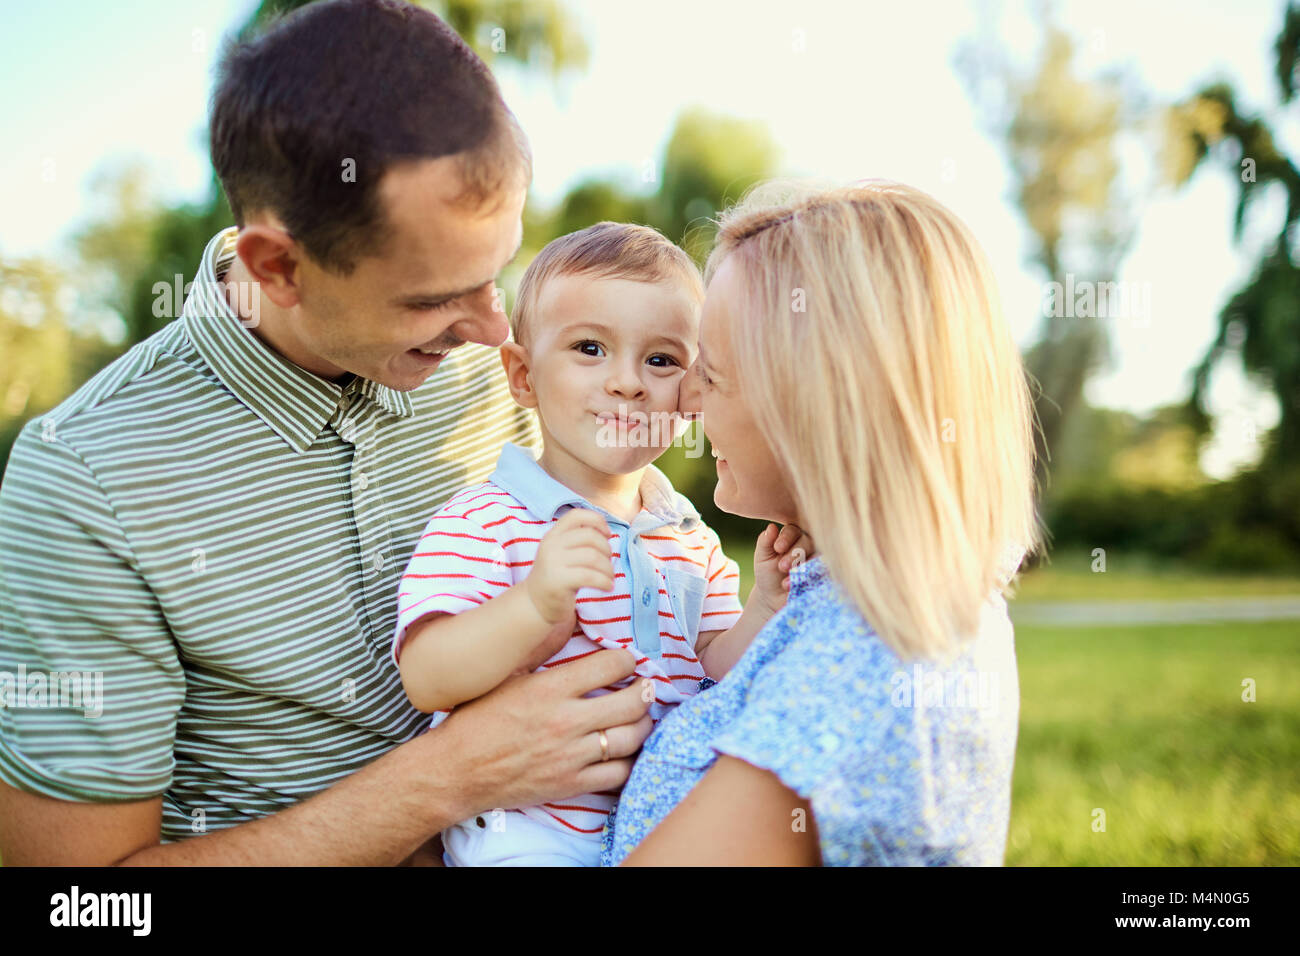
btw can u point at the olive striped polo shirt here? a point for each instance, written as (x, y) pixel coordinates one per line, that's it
(214, 537)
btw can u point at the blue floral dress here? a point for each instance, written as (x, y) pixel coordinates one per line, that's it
(901, 763)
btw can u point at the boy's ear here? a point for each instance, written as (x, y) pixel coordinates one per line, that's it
(514, 358)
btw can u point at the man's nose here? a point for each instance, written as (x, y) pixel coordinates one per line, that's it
(486, 322)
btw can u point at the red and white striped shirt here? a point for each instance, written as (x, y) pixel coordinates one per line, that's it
(671, 581)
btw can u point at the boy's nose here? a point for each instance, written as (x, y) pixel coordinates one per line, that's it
(625, 385)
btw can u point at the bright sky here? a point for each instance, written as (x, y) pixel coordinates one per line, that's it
(847, 91)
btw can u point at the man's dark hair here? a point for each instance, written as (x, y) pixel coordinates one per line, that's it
(377, 82)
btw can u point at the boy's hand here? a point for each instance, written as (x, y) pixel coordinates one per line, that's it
(573, 554)
(555, 638)
(774, 555)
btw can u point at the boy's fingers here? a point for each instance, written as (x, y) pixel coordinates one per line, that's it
(800, 553)
(592, 519)
(585, 543)
(589, 537)
(788, 536)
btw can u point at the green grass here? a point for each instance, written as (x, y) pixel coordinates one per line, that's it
(1070, 577)
(1148, 724)
(1128, 577)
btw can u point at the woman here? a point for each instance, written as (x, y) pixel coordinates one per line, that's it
(855, 378)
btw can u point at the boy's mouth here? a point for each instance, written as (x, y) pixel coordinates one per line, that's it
(622, 421)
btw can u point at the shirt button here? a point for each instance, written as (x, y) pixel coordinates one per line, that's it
(362, 481)
(378, 561)
(645, 597)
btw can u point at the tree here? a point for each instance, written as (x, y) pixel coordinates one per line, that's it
(1262, 319)
(1060, 132)
(46, 353)
(710, 160)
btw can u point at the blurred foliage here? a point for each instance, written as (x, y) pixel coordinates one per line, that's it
(1060, 132)
(1249, 523)
(537, 33)
(47, 353)
(1158, 450)
(710, 162)
(1261, 322)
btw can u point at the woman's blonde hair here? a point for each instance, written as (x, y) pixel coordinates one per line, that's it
(890, 390)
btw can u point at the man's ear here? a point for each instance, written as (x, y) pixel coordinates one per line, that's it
(272, 258)
(514, 358)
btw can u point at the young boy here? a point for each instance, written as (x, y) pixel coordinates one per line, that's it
(590, 540)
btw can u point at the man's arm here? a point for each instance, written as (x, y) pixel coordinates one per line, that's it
(533, 739)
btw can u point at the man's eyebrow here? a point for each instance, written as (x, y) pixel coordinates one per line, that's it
(440, 297)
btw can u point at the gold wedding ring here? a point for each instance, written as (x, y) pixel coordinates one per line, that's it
(604, 747)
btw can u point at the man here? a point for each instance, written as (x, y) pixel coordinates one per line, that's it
(214, 526)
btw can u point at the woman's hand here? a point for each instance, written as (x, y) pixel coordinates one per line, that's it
(776, 552)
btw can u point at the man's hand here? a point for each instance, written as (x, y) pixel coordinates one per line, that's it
(536, 737)
(573, 554)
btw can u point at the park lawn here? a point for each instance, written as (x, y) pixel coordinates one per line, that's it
(1070, 577)
(1132, 577)
(1148, 724)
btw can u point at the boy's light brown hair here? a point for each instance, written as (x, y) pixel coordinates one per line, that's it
(607, 250)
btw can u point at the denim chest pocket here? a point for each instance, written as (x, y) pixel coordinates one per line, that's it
(686, 594)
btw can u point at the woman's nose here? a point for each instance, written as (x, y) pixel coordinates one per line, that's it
(688, 393)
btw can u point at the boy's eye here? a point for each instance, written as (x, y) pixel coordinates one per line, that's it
(587, 343)
(668, 358)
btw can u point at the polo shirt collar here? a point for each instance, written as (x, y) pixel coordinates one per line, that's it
(293, 402)
(519, 473)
